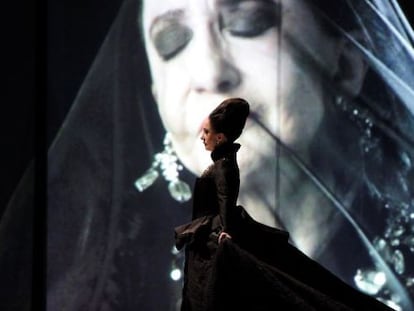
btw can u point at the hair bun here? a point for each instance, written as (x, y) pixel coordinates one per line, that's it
(230, 117)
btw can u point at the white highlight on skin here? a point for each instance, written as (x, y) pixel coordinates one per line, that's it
(292, 108)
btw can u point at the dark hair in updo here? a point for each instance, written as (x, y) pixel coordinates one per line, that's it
(230, 117)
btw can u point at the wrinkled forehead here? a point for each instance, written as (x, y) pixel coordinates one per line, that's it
(192, 9)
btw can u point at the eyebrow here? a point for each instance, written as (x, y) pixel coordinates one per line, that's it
(170, 15)
(229, 2)
(235, 2)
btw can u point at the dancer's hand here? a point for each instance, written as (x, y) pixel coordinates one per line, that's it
(223, 235)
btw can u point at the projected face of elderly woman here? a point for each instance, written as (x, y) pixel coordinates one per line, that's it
(203, 51)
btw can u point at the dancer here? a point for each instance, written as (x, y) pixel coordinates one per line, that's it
(236, 263)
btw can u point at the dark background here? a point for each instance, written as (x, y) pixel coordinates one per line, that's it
(47, 49)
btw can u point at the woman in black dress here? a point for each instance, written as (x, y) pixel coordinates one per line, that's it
(236, 263)
(215, 198)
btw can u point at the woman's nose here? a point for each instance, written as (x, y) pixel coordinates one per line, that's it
(211, 67)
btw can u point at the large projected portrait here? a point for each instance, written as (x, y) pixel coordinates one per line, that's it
(326, 154)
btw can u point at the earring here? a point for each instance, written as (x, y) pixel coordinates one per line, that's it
(165, 163)
(362, 118)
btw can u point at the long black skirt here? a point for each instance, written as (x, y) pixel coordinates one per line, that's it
(259, 270)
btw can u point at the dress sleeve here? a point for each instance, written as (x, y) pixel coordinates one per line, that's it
(227, 181)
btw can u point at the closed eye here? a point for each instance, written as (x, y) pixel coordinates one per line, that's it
(169, 34)
(249, 18)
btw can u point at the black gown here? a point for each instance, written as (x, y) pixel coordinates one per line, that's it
(257, 269)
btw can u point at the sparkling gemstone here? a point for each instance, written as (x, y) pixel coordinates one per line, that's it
(174, 251)
(176, 274)
(146, 180)
(391, 304)
(388, 232)
(179, 190)
(398, 231)
(383, 248)
(395, 242)
(398, 261)
(406, 159)
(380, 244)
(370, 281)
(410, 243)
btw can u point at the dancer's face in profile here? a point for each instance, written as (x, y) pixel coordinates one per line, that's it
(203, 51)
(209, 137)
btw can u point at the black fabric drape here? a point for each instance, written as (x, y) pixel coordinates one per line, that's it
(289, 281)
(259, 270)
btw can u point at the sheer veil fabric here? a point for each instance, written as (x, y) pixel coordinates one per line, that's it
(110, 247)
(117, 241)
